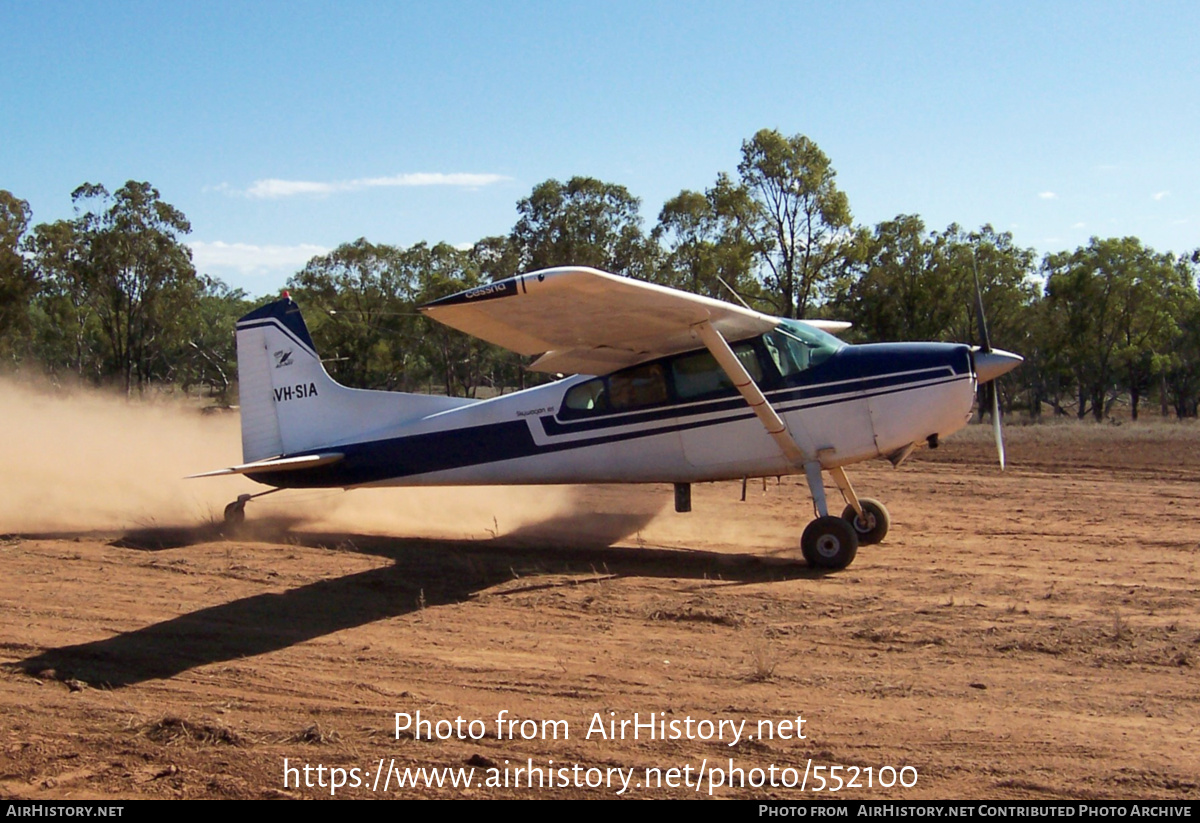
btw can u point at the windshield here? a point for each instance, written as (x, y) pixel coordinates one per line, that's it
(797, 346)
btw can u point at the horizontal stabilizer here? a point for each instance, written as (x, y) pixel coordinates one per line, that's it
(278, 464)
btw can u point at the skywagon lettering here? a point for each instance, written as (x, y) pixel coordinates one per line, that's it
(296, 392)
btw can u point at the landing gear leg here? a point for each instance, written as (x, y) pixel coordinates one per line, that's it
(869, 517)
(828, 542)
(816, 486)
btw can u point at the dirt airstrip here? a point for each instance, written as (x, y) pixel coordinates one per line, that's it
(1031, 634)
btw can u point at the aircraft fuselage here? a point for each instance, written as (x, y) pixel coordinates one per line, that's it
(676, 419)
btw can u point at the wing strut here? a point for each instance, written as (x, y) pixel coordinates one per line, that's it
(772, 422)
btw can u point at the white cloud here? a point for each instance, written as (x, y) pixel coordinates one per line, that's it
(1079, 225)
(1047, 195)
(250, 259)
(271, 189)
(1160, 195)
(274, 188)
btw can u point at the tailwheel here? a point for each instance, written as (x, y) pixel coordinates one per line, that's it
(829, 543)
(872, 527)
(235, 512)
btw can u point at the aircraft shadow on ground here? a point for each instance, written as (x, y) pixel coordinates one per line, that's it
(423, 573)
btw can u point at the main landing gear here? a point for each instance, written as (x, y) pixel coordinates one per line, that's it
(831, 542)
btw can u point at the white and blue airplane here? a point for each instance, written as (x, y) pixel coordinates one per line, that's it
(668, 387)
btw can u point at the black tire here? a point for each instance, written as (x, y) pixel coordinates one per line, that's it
(235, 514)
(877, 521)
(829, 543)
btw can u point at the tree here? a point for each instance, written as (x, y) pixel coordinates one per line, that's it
(583, 223)
(136, 273)
(901, 287)
(365, 319)
(18, 281)
(704, 247)
(206, 353)
(1112, 309)
(790, 207)
(66, 332)
(497, 257)
(461, 362)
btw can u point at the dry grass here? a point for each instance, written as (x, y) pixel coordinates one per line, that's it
(176, 730)
(314, 735)
(765, 658)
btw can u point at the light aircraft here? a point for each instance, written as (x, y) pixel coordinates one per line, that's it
(668, 387)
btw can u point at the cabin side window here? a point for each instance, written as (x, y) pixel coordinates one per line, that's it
(637, 387)
(699, 375)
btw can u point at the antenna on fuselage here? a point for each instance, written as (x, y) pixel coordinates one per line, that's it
(731, 291)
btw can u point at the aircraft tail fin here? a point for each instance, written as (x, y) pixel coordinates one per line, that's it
(290, 404)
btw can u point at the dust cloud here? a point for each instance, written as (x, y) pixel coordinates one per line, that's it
(89, 461)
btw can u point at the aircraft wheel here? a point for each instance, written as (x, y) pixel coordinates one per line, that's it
(829, 543)
(235, 514)
(873, 527)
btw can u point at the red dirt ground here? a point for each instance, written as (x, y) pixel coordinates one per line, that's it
(1031, 634)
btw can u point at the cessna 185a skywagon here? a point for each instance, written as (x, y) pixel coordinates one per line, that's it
(669, 387)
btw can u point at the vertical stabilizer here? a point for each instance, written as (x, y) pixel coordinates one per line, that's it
(289, 402)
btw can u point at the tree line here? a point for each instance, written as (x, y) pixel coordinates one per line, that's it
(111, 296)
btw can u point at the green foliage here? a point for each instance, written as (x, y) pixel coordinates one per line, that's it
(704, 247)
(361, 304)
(583, 223)
(18, 279)
(360, 307)
(790, 208)
(1113, 310)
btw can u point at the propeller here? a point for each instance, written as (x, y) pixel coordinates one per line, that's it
(989, 364)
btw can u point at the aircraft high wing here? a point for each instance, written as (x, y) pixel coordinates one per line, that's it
(583, 321)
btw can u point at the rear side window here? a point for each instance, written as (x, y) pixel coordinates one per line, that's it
(626, 390)
(587, 397)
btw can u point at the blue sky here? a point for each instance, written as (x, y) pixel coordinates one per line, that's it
(284, 129)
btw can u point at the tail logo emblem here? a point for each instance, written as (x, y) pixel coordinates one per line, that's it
(283, 358)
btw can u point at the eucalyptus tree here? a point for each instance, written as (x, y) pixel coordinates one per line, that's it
(788, 203)
(702, 246)
(1114, 307)
(363, 316)
(584, 222)
(121, 277)
(18, 281)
